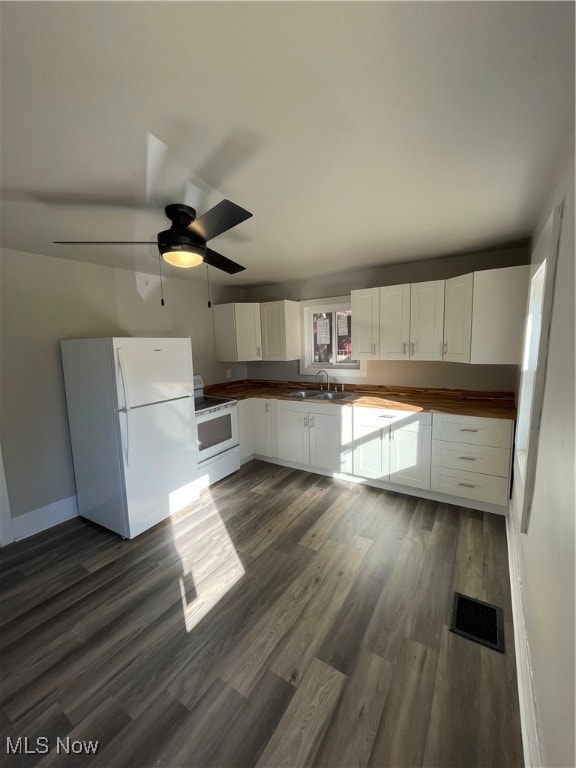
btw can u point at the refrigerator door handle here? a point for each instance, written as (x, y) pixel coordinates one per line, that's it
(124, 377)
(126, 447)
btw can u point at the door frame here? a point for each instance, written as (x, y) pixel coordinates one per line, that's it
(544, 256)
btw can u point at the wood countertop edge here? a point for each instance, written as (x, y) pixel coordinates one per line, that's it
(495, 405)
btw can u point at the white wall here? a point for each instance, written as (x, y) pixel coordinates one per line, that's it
(546, 553)
(46, 299)
(406, 373)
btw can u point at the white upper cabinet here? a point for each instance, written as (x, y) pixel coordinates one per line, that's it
(427, 320)
(394, 322)
(237, 332)
(499, 315)
(365, 312)
(280, 322)
(412, 321)
(458, 318)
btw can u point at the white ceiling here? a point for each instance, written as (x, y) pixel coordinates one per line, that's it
(358, 133)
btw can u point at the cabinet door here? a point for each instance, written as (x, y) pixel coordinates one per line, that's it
(394, 313)
(273, 330)
(458, 318)
(410, 449)
(248, 333)
(292, 442)
(262, 427)
(499, 315)
(365, 319)
(325, 440)
(246, 427)
(280, 322)
(426, 320)
(371, 453)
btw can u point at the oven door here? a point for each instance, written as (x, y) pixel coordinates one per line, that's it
(217, 431)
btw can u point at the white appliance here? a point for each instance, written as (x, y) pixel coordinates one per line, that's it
(132, 429)
(218, 442)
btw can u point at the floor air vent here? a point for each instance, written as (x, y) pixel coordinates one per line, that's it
(478, 621)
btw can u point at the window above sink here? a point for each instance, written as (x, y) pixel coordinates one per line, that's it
(326, 338)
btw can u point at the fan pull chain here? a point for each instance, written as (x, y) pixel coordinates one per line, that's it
(208, 285)
(161, 286)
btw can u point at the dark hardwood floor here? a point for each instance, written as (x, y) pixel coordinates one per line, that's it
(287, 619)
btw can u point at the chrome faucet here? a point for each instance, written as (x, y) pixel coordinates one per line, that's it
(327, 379)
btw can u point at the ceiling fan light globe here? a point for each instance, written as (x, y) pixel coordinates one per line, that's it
(184, 259)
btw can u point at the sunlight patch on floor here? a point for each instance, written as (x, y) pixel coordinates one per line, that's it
(210, 564)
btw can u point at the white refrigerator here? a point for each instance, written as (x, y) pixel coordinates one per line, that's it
(132, 429)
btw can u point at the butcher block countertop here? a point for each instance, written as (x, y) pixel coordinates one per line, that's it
(465, 402)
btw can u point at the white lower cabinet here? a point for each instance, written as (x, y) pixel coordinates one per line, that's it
(262, 411)
(460, 457)
(471, 457)
(392, 446)
(316, 435)
(246, 427)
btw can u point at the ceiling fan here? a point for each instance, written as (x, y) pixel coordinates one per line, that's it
(184, 244)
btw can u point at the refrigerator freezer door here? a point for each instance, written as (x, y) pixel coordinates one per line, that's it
(159, 450)
(152, 370)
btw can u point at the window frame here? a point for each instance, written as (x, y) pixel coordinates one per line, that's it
(307, 364)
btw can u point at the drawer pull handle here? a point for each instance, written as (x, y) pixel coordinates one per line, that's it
(383, 416)
(467, 458)
(468, 429)
(467, 485)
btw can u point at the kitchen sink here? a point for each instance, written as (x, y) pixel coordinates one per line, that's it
(311, 394)
(333, 395)
(304, 393)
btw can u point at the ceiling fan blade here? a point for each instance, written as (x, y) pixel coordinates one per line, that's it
(104, 242)
(112, 199)
(221, 262)
(234, 151)
(217, 220)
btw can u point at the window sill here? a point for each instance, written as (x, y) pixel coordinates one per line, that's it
(333, 372)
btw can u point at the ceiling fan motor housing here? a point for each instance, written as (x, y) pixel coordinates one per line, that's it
(177, 240)
(179, 237)
(180, 215)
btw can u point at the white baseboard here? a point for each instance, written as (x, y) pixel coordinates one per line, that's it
(422, 493)
(44, 517)
(528, 719)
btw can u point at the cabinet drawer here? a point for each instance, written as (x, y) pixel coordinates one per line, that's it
(482, 459)
(383, 417)
(470, 485)
(473, 430)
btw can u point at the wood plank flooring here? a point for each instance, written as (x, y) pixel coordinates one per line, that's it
(286, 619)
